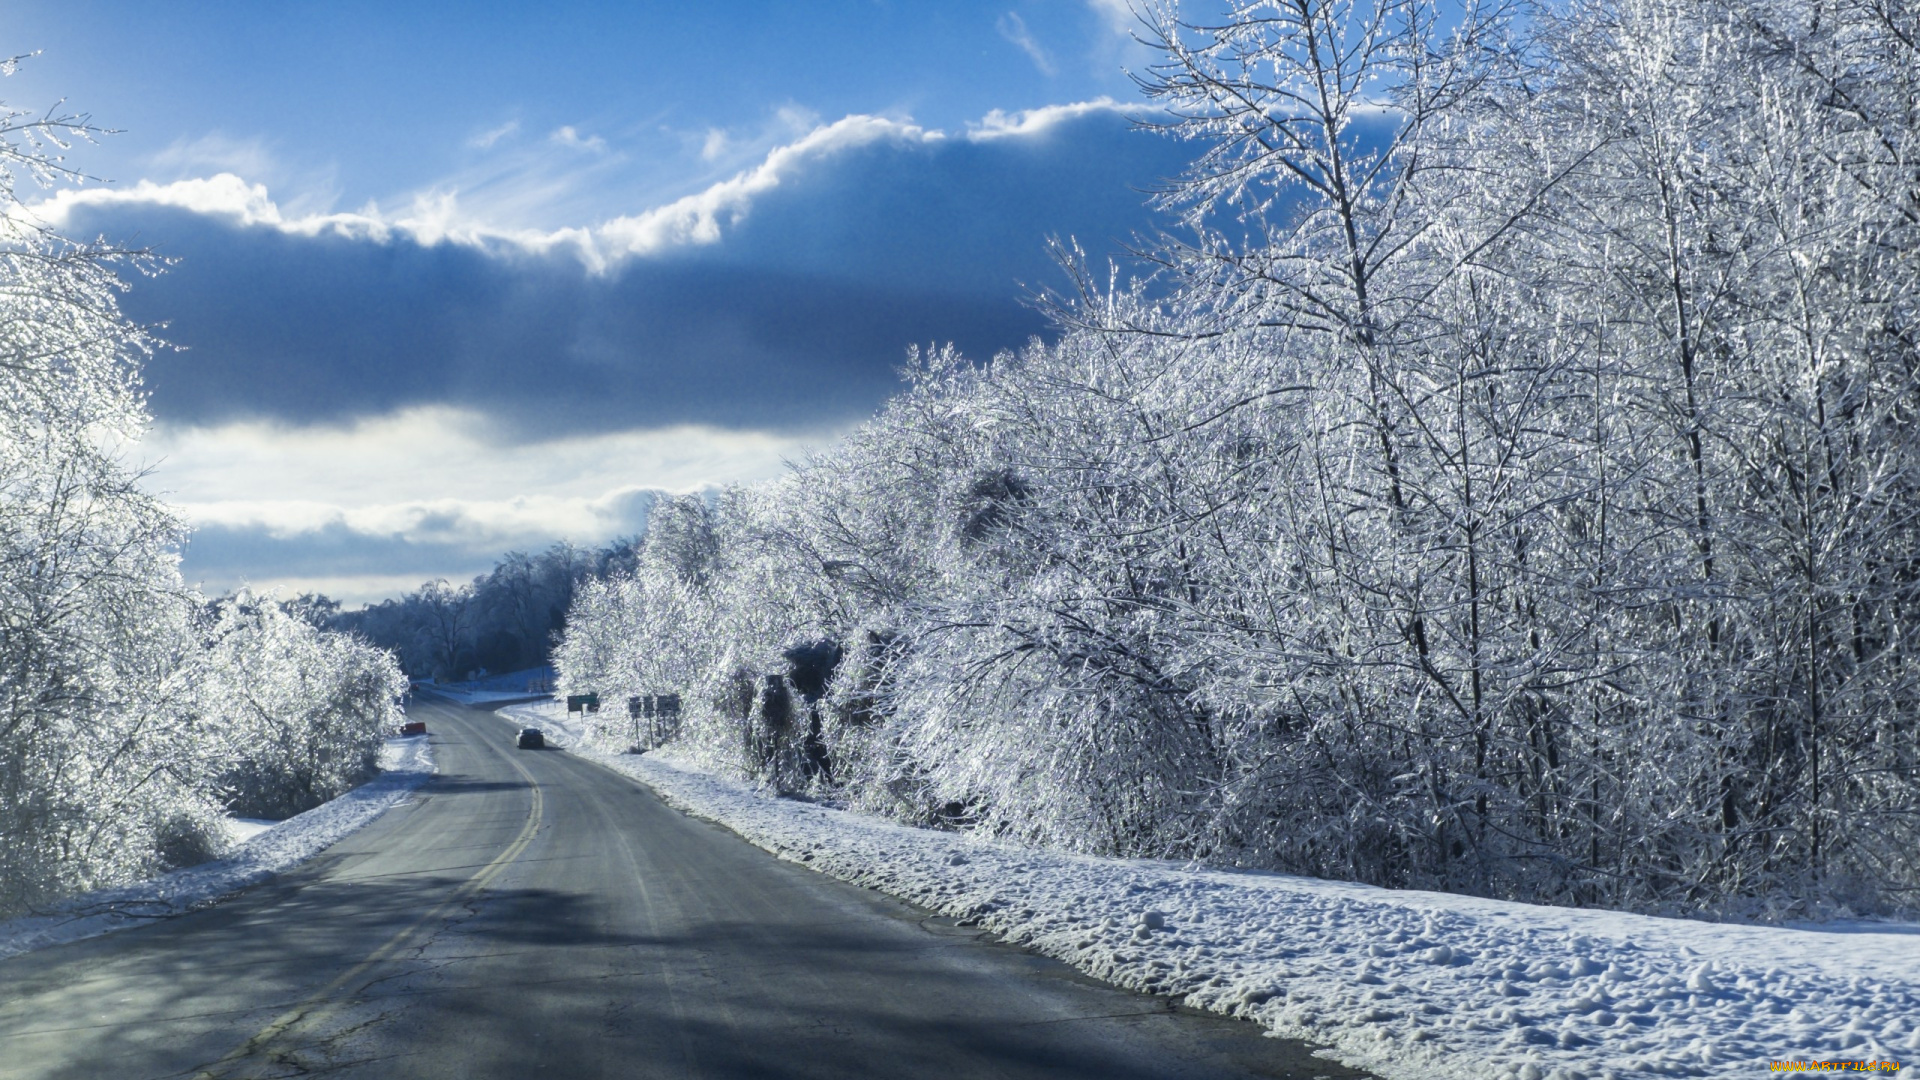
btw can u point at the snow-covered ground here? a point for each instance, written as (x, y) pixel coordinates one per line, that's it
(1410, 985)
(562, 729)
(242, 829)
(405, 764)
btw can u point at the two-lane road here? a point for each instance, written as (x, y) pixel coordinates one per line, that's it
(532, 914)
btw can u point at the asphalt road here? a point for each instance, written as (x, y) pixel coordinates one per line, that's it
(532, 914)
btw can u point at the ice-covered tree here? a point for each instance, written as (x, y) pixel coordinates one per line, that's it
(95, 768)
(300, 712)
(1507, 484)
(110, 766)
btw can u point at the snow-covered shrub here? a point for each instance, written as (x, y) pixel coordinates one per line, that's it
(302, 711)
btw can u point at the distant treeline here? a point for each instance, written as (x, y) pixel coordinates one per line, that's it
(503, 620)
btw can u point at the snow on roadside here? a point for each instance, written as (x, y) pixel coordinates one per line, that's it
(560, 728)
(1405, 984)
(241, 829)
(405, 764)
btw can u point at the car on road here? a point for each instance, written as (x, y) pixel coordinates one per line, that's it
(531, 739)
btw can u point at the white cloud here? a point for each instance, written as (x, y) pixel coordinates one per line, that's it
(486, 524)
(1118, 14)
(698, 218)
(797, 119)
(432, 216)
(440, 214)
(216, 152)
(1120, 43)
(486, 139)
(734, 147)
(567, 136)
(1014, 29)
(221, 195)
(375, 475)
(379, 467)
(429, 477)
(311, 189)
(999, 125)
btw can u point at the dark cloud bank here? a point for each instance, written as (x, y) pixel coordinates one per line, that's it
(798, 316)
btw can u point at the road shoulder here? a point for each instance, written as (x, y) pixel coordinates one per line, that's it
(406, 763)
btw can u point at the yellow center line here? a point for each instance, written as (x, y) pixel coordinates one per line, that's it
(316, 1007)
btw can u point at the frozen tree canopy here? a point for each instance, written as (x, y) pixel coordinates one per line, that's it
(121, 734)
(1505, 484)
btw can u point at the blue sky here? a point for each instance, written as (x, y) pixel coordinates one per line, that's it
(455, 279)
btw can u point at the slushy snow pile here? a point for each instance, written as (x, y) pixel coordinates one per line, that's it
(1412, 985)
(405, 764)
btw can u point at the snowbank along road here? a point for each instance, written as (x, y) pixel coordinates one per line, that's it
(530, 913)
